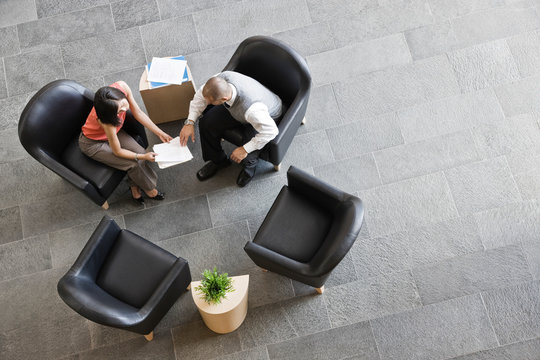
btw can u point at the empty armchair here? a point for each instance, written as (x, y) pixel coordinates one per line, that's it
(282, 70)
(124, 281)
(309, 229)
(49, 130)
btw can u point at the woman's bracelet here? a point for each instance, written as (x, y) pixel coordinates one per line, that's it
(136, 157)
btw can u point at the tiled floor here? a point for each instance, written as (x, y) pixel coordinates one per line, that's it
(429, 110)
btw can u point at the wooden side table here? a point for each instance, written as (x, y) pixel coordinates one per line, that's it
(228, 315)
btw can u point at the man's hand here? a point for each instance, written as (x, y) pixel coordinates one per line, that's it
(188, 131)
(239, 154)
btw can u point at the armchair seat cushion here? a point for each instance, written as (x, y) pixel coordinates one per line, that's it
(294, 227)
(101, 176)
(134, 268)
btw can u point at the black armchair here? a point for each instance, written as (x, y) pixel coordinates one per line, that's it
(49, 130)
(124, 281)
(309, 229)
(281, 69)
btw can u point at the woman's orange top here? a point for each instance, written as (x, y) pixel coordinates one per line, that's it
(93, 130)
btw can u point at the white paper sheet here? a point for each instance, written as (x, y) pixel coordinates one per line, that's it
(171, 153)
(170, 71)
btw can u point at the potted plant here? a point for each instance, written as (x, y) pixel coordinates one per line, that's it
(221, 300)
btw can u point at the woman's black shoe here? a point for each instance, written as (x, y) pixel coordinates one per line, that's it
(159, 196)
(139, 200)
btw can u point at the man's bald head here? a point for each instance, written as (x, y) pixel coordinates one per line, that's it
(216, 90)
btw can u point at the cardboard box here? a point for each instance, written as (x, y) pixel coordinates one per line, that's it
(169, 102)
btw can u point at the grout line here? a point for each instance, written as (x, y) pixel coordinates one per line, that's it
(158, 9)
(5, 77)
(112, 17)
(374, 338)
(144, 50)
(489, 318)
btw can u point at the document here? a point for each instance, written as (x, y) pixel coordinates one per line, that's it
(170, 71)
(171, 153)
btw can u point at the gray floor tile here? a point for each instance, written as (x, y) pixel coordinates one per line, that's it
(524, 161)
(427, 156)
(103, 54)
(514, 312)
(207, 63)
(102, 335)
(447, 10)
(308, 40)
(39, 341)
(517, 98)
(243, 20)
(415, 247)
(31, 300)
(392, 89)
(129, 13)
(432, 39)
(72, 26)
(137, 349)
(527, 350)
(174, 8)
(31, 71)
(482, 185)
(529, 184)
(471, 273)
(364, 135)
(414, 202)
(322, 112)
(526, 51)
(267, 287)
(331, 10)
(170, 37)
(493, 24)
(393, 17)
(307, 314)
(356, 339)
(170, 220)
(344, 62)
(10, 223)
(3, 82)
(9, 41)
(11, 149)
(370, 299)
(235, 204)
(517, 133)
(258, 353)
(451, 328)
(39, 183)
(47, 8)
(482, 66)
(196, 341)
(96, 82)
(24, 257)
(309, 150)
(13, 12)
(265, 325)
(12, 108)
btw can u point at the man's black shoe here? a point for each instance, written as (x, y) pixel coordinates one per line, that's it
(243, 178)
(210, 169)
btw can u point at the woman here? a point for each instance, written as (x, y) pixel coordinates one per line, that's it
(103, 139)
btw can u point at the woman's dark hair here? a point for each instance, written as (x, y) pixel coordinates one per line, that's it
(106, 104)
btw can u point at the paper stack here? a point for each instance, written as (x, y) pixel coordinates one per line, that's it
(171, 153)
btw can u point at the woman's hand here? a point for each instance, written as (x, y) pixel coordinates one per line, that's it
(165, 137)
(188, 131)
(149, 156)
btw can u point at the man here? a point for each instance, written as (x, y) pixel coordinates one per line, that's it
(237, 100)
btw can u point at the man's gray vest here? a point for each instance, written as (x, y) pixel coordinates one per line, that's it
(250, 91)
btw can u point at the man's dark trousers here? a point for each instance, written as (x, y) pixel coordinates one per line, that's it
(212, 125)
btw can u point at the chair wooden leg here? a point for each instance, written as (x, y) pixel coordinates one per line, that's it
(304, 121)
(264, 270)
(188, 287)
(277, 167)
(149, 336)
(320, 290)
(105, 206)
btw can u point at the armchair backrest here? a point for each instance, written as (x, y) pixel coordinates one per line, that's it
(53, 117)
(274, 64)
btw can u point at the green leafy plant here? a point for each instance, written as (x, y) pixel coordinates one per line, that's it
(214, 286)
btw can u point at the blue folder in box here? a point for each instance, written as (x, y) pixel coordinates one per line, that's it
(154, 84)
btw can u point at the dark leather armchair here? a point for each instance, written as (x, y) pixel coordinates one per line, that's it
(124, 281)
(282, 70)
(309, 229)
(49, 130)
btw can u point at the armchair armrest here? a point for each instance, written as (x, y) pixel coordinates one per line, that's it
(96, 250)
(271, 260)
(319, 192)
